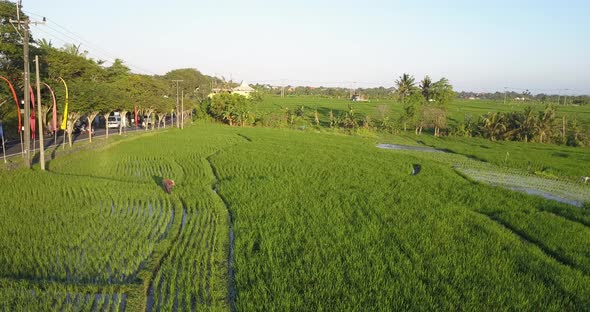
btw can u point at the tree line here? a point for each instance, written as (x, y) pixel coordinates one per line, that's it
(527, 126)
(95, 89)
(425, 108)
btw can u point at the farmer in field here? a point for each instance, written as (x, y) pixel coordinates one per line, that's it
(167, 184)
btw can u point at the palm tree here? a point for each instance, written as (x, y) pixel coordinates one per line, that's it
(72, 49)
(425, 85)
(544, 125)
(527, 126)
(44, 44)
(493, 125)
(404, 85)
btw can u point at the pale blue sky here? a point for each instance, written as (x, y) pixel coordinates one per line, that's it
(541, 45)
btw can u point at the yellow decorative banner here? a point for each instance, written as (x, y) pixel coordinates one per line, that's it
(65, 119)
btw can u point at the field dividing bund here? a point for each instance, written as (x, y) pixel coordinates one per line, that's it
(231, 278)
(276, 219)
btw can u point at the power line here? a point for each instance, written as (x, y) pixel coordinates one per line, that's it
(76, 38)
(53, 36)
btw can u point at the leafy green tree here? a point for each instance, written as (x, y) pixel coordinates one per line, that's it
(195, 85)
(441, 92)
(11, 43)
(142, 91)
(117, 70)
(91, 99)
(230, 108)
(413, 112)
(63, 63)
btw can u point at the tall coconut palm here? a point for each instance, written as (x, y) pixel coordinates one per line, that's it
(425, 86)
(405, 85)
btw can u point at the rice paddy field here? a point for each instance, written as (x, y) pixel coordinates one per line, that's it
(277, 219)
(458, 110)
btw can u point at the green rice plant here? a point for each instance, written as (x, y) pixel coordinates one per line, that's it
(280, 219)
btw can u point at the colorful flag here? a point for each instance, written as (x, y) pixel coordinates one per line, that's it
(33, 125)
(64, 123)
(32, 117)
(136, 119)
(15, 101)
(54, 117)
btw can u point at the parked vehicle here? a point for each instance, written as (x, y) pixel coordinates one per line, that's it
(114, 121)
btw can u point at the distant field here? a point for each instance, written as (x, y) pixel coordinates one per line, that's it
(278, 219)
(457, 110)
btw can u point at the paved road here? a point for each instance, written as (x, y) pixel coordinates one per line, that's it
(14, 148)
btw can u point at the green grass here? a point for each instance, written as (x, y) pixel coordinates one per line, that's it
(321, 222)
(330, 222)
(457, 110)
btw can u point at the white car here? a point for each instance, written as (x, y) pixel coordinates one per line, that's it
(114, 121)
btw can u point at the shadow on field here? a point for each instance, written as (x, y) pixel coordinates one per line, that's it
(158, 180)
(325, 113)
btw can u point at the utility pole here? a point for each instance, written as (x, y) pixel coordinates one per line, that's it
(563, 128)
(27, 96)
(182, 111)
(177, 106)
(27, 84)
(505, 96)
(41, 146)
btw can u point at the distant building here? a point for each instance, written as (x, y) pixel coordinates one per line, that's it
(358, 98)
(244, 89)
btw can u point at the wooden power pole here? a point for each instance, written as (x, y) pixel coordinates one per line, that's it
(177, 104)
(24, 25)
(41, 146)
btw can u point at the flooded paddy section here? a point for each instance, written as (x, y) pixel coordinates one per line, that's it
(410, 148)
(561, 191)
(558, 190)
